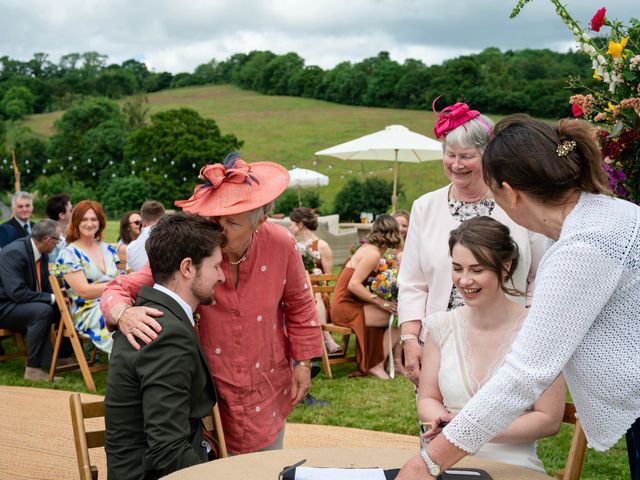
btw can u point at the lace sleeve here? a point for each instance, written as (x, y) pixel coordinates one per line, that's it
(438, 325)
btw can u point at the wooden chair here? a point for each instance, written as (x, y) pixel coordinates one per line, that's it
(578, 448)
(325, 283)
(19, 341)
(67, 329)
(84, 440)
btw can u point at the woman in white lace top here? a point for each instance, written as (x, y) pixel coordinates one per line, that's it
(464, 347)
(584, 318)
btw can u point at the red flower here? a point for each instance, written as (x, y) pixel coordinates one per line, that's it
(577, 111)
(598, 20)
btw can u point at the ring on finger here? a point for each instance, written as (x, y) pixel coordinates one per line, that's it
(385, 305)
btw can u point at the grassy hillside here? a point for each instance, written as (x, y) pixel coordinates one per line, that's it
(288, 130)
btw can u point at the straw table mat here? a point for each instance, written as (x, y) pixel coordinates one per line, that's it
(36, 438)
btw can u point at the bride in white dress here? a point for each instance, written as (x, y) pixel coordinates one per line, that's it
(464, 347)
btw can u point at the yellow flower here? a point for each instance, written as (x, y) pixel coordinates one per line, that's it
(596, 76)
(615, 49)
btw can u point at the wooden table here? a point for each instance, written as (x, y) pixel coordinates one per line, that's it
(267, 465)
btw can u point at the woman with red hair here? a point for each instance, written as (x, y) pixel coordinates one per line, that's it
(87, 264)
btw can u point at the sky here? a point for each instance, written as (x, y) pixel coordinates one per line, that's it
(178, 35)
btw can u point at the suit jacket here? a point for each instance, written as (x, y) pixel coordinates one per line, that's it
(156, 397)
(18, 228)
(7, 235)
(18, 279)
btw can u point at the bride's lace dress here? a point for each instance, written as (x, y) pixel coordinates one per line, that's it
(464, 371)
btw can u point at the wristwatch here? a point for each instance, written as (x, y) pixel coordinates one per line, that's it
(407, 337)
(434, 469)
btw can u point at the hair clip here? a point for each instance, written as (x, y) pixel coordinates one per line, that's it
(565, 148)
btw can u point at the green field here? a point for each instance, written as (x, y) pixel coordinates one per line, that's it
(288, 130)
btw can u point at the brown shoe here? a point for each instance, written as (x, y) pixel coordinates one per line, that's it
(37, 375)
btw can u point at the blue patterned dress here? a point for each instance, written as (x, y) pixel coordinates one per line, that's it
(85, 312)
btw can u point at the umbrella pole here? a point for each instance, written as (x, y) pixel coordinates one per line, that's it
(394, 197)
(299, 196)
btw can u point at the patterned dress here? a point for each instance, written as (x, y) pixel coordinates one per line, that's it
(85, 312)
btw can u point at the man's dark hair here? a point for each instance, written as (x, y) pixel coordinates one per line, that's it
(179, 236)
(151, 211)
(56, 205)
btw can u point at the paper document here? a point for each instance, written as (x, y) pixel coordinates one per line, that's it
(310, 473)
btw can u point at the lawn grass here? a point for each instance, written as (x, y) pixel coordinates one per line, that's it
(366, 403)
(288, 130)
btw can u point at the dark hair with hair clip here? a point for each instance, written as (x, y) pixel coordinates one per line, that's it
(306, 216)
(491, 244)
(546, 162)
(385, 232)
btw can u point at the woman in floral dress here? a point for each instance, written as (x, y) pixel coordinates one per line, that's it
(87, 264)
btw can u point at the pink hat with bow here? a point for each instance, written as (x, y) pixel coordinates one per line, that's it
(453, 116)
(235, 186)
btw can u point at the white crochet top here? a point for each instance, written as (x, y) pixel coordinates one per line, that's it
(584, 322)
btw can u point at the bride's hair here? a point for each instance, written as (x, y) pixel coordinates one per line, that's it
(491, 244)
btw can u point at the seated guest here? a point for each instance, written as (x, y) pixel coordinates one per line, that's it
(150, 212)
(157, 395)
(59, 209)
(356, 307)
(464, 347)
(130, 226)
(26, 301)
(87, 264)
(21, 209)
(304, 222)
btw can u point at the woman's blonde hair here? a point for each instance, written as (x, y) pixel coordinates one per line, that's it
(385, 232)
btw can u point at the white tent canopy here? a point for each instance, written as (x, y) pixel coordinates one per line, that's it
(301, 178)
(395, 143)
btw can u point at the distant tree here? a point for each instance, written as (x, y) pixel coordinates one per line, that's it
(373, 195)
(124, 193)
(115, 82)
(286, 202)
(136, 110)
(17, 102)
(172, 149)
(31, 155)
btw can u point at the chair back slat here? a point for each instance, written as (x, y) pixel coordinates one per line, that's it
(578, 448)
(93, 409)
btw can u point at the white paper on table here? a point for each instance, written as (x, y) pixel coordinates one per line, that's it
(311, 473)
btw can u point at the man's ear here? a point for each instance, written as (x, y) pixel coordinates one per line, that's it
(513, 196)
(187, 268)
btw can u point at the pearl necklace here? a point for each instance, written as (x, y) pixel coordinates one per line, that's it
(486, 195)
(244, 255)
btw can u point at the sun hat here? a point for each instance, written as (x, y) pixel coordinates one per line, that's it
(235, 186)
(453, 116)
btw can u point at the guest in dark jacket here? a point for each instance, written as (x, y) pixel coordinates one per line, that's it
(22, 209)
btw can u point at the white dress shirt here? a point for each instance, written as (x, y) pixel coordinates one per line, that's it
(136, 252)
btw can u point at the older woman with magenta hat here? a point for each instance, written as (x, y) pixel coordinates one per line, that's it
(425, 275)
(584, 316)
(263, 317)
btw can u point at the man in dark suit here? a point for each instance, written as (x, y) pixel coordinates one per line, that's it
(26, 301)
(157, 395)
(22, 208)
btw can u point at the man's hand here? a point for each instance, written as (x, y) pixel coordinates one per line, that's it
(300, 383)
(138, 322)
(414, 469)
(412, 357)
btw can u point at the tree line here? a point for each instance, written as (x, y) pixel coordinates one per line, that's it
(531, 81)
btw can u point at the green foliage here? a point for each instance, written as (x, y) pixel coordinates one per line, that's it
(286, 202)
(32, 159)
(124, 193)
(174, 147)
(373, 195)
(46, 185)
(17, 102)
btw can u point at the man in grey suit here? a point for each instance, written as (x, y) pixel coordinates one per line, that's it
(157, 395)
(26, 301)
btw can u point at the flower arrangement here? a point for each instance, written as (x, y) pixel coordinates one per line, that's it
(384, 281)
(613, 104)
(309, 257)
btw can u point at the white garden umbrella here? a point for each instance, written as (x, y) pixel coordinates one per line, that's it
(395, 143)
(301, 178)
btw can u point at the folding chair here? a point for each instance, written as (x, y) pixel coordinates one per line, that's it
(85, 440)
(19, 341)
(67, 329)
(326, 283)
(578, 448)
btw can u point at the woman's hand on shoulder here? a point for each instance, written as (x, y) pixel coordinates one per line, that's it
(139, 322)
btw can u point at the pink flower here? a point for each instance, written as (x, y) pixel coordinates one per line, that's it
(598, 20)
(577, 111)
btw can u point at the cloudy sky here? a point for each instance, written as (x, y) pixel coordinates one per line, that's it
(178, 35)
